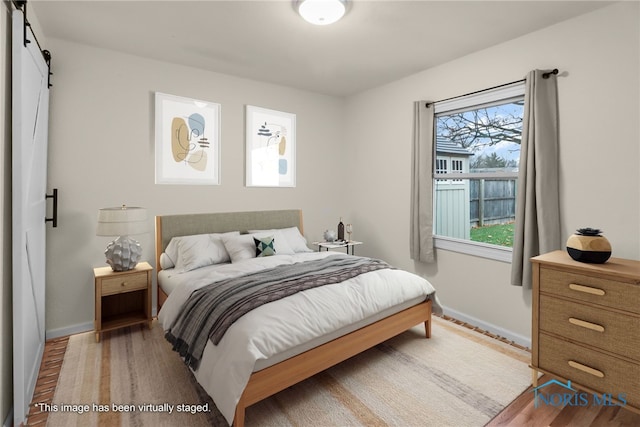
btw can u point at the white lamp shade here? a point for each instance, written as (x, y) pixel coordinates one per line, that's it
(122, 221)
(321, 12)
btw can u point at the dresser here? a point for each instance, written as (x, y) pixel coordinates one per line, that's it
(586, 324)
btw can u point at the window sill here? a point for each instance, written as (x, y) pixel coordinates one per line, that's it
(483, 250)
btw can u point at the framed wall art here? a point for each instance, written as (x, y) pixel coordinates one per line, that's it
(270, 148)
(187, 133)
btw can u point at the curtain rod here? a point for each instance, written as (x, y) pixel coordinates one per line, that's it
(22, 6)
(544, 76)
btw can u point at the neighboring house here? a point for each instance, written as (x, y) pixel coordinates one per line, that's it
(452, 200)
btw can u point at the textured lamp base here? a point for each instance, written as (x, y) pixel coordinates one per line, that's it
(123, 253)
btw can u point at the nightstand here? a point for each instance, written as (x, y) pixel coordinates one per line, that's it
(122, 298)
(349, 244)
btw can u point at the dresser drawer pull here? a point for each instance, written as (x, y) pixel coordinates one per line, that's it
(586, 289)
(588, 325)
(586, 369)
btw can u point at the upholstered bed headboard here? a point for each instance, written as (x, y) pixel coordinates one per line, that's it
(169, 226)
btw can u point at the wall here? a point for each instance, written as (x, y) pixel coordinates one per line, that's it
(6, 328)
(598, 56)
(101, 154)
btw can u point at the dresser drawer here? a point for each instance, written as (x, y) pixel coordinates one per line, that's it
(614, 332)
(605, 374)
(125, 283)
(606, 292)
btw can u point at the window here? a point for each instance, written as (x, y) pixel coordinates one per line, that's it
(477, 151)
(456, 166)
(441, 165)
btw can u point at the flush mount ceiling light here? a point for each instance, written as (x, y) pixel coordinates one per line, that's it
(321, 12)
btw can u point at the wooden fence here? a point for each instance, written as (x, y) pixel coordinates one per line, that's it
(492, 202)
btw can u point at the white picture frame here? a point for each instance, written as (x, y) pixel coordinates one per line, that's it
(187, 141)
(270, 148)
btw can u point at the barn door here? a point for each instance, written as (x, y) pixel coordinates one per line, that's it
(30, 105)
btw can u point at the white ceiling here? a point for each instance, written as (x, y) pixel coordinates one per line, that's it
(375, 43)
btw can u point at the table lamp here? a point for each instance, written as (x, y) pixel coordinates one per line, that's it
(124, 252)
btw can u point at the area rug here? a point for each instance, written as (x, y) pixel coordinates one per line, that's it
(457, 378)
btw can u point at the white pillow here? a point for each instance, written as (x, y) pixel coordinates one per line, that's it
(280, 242)
(240, 247)
(165, 261)
(199, 250)
(296, 240)
(171, 252)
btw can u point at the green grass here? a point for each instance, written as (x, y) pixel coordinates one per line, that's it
(498, 234)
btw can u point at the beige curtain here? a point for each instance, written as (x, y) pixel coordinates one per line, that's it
(537, 228)
(421, 239)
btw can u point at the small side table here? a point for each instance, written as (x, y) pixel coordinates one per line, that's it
(350, 245)
(122, 298)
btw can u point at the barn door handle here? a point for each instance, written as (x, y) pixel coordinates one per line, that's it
(53, 196)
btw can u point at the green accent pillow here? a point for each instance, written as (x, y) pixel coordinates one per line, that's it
(265, 246)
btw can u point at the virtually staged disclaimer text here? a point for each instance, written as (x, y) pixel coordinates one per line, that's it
(116, 407)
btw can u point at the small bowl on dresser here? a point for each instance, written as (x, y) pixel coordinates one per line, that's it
(589, 245)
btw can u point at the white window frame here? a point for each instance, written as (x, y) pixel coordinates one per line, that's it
(494, 96)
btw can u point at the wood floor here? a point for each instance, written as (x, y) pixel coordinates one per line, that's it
(521, 412)
(47, 380)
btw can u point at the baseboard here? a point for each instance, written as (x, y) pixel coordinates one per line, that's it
(8, 422)
(69, 330)
(511, 336)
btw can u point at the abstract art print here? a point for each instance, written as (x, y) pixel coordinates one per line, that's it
(187, 141)
(270, 148)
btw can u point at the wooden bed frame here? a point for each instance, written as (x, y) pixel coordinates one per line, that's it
(271, 380)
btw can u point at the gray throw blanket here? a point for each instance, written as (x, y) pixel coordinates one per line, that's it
(212, 309)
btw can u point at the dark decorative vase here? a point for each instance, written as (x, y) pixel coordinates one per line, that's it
(340, 230)
(589, 245)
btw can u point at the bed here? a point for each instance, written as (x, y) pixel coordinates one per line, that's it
(294, 361)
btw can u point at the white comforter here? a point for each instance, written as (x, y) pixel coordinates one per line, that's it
(281, 325)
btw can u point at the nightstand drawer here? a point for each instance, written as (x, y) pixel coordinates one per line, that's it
(606, 292)
(614, 332)
(127, 283)
(590, 368)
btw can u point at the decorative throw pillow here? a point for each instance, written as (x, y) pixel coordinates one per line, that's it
(293, 240)
(281, 246)
(265, 246)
